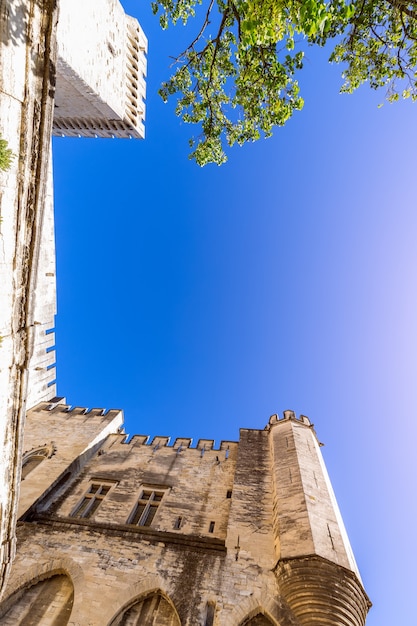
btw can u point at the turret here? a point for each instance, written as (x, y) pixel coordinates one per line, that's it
(316, 570)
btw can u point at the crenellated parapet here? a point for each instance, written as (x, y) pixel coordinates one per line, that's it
(67, 411)
(246, 533)
(289, 415)
(180, 444)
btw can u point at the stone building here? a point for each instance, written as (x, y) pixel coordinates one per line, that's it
(115, 532)
(69, 76)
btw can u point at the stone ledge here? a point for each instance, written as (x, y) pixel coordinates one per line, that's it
(141, 533)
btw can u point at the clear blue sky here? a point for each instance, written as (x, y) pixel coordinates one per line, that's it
(203, 300)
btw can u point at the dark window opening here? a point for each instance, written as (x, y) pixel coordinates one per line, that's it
(146, 508)
(211, 527)
(177, 523)
(209, 614)
(229, 494)
(92, 500)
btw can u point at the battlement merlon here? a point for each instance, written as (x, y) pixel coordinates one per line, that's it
(101, 69)
(56, 413)
(179, 446)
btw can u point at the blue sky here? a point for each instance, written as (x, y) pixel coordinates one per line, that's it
(204, 300)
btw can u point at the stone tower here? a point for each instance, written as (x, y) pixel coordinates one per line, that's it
(115, 532)
(100, 71)
(68, 67)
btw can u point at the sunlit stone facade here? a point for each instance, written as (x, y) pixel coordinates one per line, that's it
(101, 68)
(74, 68)
(114, 532)
(148, 533)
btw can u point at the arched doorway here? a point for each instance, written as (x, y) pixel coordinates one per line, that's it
(48, 602)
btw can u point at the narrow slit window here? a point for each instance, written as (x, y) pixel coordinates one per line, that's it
(178, 523)
(211, 527)
(229, 494)
(210, 611)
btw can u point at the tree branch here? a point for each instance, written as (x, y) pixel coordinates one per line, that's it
(198, 37)
(402, 6)
(203, 28)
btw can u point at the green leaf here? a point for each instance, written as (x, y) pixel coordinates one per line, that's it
(237, 79)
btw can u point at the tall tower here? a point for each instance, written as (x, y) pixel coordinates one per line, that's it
(75, 68)
(117, 533)
(316, 569)
(100, 72)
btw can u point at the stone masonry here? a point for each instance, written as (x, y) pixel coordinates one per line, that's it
(101, 68)
(27, 78)
(115, 532)
(70, 76)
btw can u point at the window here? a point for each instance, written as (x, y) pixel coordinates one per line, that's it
(32, 459)
(178, 523)
(30, 462)
(92, 500)
(211, 527)
(229, 494)
(146, 507)
(210, 611)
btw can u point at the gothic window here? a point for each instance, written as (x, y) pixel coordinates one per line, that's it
(92, 499)
(154, 610)
(33, 459)
(145, 510)
(257, 620)
(47, 602)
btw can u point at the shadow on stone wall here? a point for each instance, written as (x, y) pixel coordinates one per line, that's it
(15, 24)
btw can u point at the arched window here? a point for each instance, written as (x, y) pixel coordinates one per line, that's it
(153, 610)
(47, 602)
(257, 620)
(33, 458)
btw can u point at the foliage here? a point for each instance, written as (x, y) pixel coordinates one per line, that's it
(381, 47)
(6, 155)
(237, 77)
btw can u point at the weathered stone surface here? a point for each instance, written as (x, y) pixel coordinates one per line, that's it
(100, 92)
(101, 69)
(321, 592)
(48, 602)
(118, 533)
(207, 555)
(28, 53)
